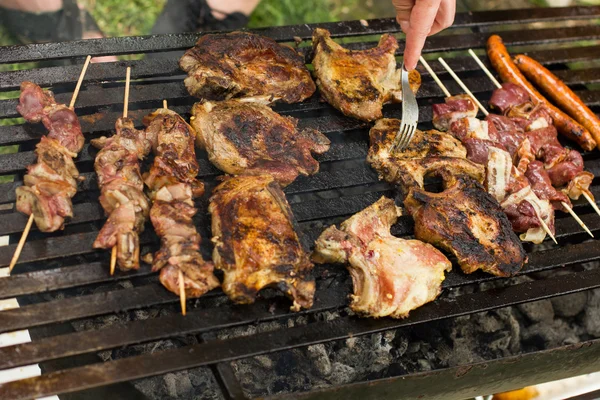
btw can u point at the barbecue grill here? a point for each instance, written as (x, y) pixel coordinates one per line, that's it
(61, 279)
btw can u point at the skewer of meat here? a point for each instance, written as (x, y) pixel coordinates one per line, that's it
(173, 186)
(122, 195)
(576, 180)
(538, 177)
(506, 184)
(51, 182)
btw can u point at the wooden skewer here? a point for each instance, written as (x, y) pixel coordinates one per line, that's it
(23, 239)
(113, 253)
(462, 85)
(182, 292)
(79, 81)
(180, 275)
(499, 86)
(546, 229)
(435, 77)
(485, 69)
(126, 97)
(113, 259)
(576, 217)
(592, 202)
(19, 248)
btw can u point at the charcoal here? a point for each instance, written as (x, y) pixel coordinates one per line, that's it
(538, 311)
(592, 314)
(569, 305)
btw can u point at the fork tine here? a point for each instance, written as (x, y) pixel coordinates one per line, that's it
(409, 136)
(403, 134)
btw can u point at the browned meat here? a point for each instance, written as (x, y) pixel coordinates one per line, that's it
(467, 222)
(37, 105)
(391, 276)
(242, 64)
(122, 191)
(453, 108)
(173, 185)
(251, 138)
(358, 83)
(429, 153)
(256, 244)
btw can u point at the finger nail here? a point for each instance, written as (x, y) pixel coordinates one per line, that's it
(404, 25)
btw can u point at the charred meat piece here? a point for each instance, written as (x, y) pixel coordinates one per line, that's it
(391, 276)
(256, 244)
(358, 83)
(429, 153)
(467, 222)
(122, 191)
(51, 182)
(251, 138)
(173, 185)
(453, 108)
(37, 105)
(241, 64)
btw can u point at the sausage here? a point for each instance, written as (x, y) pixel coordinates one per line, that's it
(560, 93)
(509, 72)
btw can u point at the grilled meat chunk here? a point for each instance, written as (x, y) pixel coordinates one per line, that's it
(467, 222)
(391, 276)
(358, 83)
(241, 64)
(453, 108)
(256, 244)
(429, 153)
(122, 195)
(37, 105)
(173, 185)
(252, 139)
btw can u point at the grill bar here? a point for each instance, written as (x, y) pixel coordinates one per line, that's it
(168, 69)
(225, 350)
(344, 186)
(148, 44)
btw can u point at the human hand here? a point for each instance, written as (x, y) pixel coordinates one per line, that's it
(419, 19)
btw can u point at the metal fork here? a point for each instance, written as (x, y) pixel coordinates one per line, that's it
(410, 115)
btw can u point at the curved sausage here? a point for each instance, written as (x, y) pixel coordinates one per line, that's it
(560, 93)
(509, 72)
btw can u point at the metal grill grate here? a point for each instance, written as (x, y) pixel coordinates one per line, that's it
(66, 262)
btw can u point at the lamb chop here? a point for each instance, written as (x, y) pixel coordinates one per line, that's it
(358, 83)
(51, 182)
(469, 223)
(430, 152)
(256, 244)
(244, 65)
(391, 276)
(173, 185)
(251, 138)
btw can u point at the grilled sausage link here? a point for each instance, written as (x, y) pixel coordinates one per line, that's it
(509, 72)
(560, 93)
